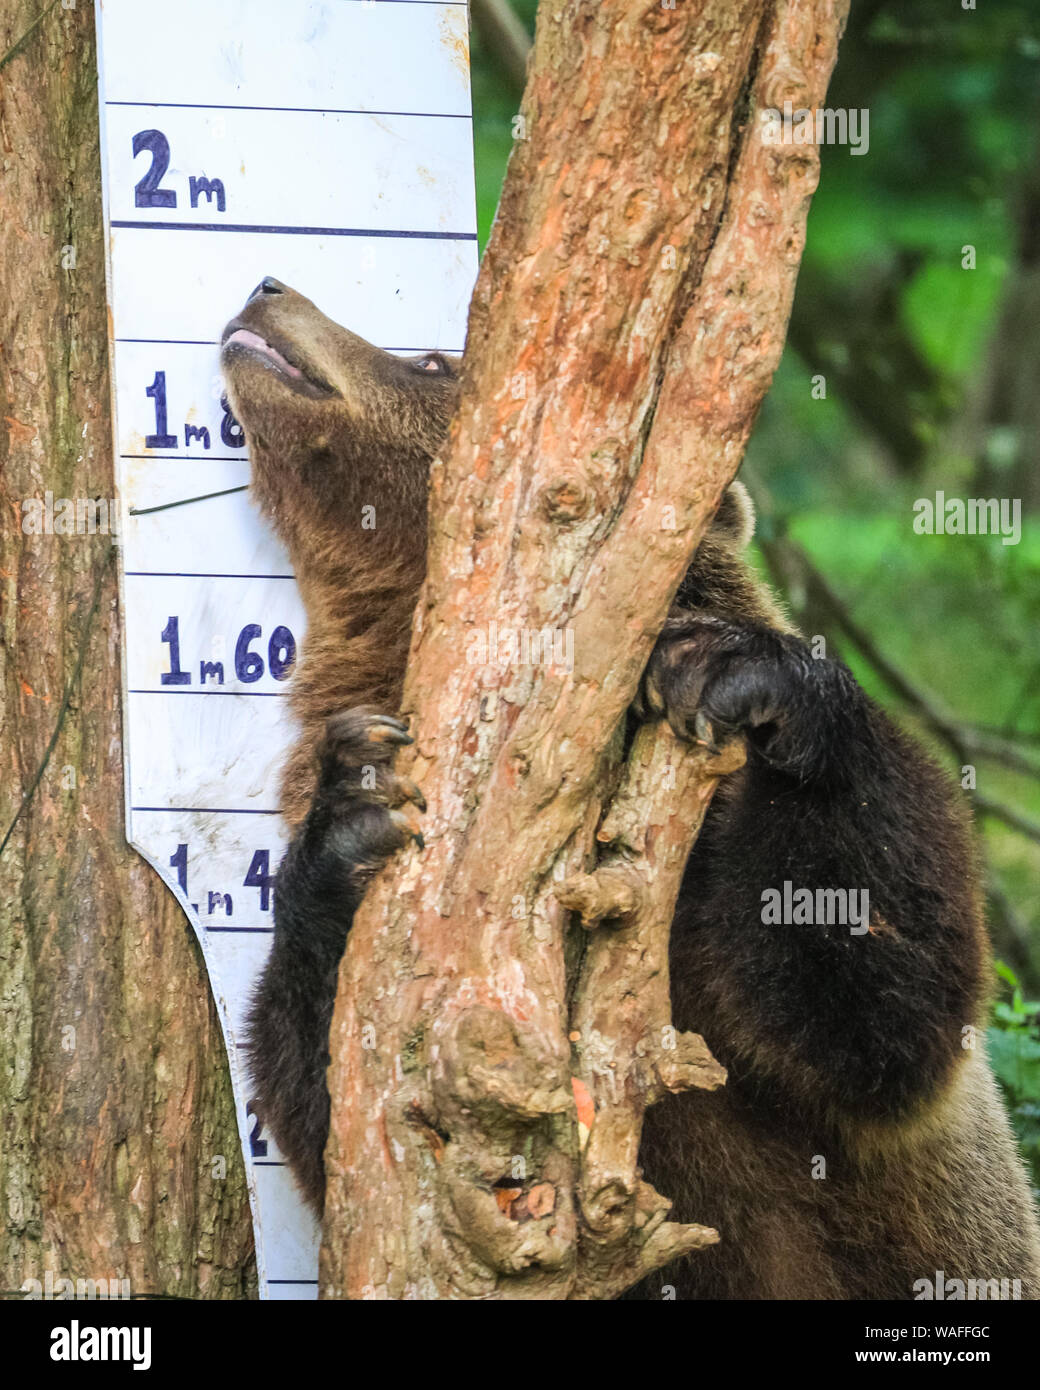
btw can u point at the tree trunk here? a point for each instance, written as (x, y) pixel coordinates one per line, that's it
(628, 317)
(119, 1156)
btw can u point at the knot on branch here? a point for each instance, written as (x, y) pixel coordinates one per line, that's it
(788, 83)
(682, 1062)
(566, 500)
(510, 1226)
(489, 1058)
(626, 1237)
(664, 773)
(503, 1100)
(613, 890)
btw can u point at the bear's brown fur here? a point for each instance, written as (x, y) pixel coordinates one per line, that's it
(845, 1049)
(355, 432)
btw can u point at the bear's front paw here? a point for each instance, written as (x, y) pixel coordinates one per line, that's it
(370, 811)
(712, 679)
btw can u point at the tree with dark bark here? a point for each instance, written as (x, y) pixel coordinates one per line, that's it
(119, 1150)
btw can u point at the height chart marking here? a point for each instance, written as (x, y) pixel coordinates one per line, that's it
(327, 143)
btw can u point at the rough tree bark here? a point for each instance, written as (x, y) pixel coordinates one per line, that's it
(628, 317)
(114, 1091)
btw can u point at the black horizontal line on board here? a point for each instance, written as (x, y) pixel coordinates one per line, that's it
(191, 458)
(294, 1281)
(274, 1163)
(301, 110)
(179, 690)
(252, 931)
(293, 231)
(175, 342)
(206, 810)
(212, 342)
(190, 574)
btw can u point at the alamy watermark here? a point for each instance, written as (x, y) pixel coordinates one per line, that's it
(824, 126)
(70, 516)
(81, 1342)
(510, 646)
(969, 1290)
(57, 1286)
(972, 516)
(791, 906)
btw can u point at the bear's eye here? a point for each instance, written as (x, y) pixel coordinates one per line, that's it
(433, 364)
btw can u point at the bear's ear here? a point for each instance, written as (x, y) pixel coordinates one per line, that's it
(734, 522)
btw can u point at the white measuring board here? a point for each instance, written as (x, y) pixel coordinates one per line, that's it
(327, 143)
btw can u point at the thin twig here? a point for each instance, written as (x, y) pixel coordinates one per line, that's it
(1010, 735)
(986, 806)
(967, 741)
(184, 501)
(73, 681)
(1016, 928)
(506, 38)
(17, 47)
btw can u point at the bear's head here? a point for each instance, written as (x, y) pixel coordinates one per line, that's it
(335, 425)
(341, 437)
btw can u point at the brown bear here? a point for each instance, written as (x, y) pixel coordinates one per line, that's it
(832, 953)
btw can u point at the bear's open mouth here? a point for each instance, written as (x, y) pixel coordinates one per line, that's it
(295, 374)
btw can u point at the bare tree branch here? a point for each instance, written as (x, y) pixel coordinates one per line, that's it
(987, 806)
(627, 1052)
(1017, 932)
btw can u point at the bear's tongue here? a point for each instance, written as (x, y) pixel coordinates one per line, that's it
(254, 340)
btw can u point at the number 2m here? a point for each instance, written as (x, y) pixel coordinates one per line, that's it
(148, 192)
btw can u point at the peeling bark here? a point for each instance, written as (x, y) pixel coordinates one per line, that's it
(629, 315)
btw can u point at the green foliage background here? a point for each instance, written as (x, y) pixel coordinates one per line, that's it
(932, 377)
